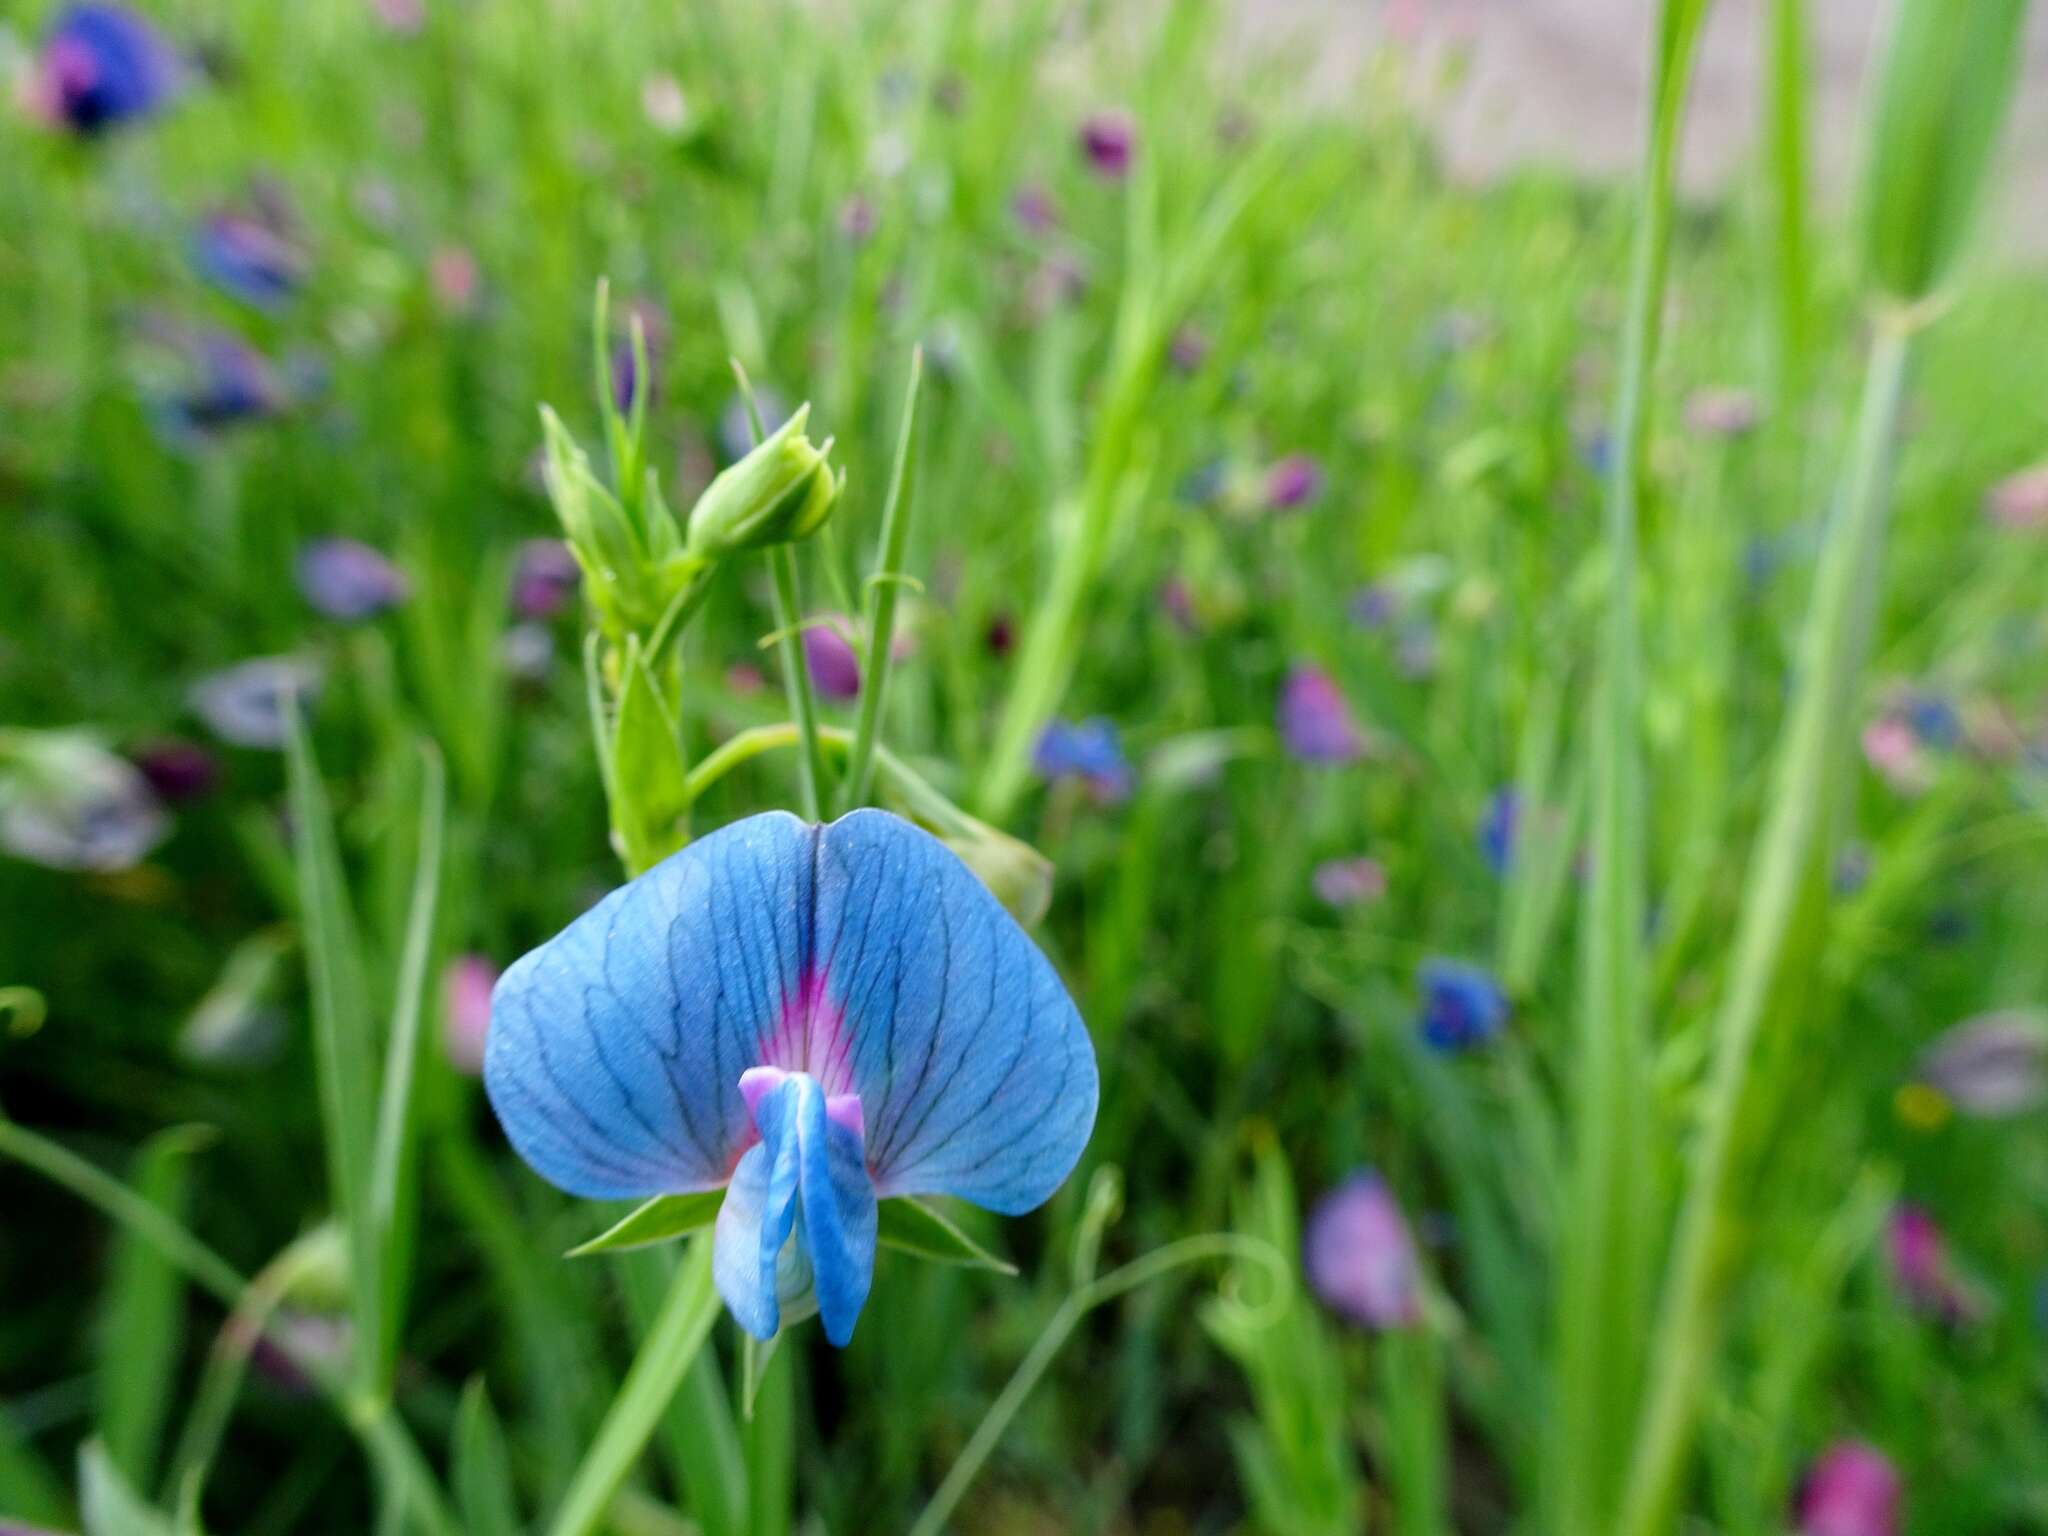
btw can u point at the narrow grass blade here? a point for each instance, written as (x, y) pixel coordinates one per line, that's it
(482, 1468)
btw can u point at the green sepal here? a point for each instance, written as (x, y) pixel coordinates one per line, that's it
(911, 1226)
(660, 1220)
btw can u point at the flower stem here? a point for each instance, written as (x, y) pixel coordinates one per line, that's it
(1792, 840)
(881, 601)
(680, 1329)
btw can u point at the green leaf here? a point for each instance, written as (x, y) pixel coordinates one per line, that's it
(911, 1226)
(651, 800)
(659, 1220)
(482, 1471)
(345, 1050)
(1941, 102)
(142, 1326)
(107, 1504)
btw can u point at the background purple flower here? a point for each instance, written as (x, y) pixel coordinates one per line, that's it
(245, 704)
(228, 383)
(1851, 1489)
(835, 670)
(176, 769)
(544, 578)
(1315, 720)
(1497, 829)
(1349, 882)
(1993, 1065)
(1359, 1256)
(346, 579)
(101, 66)
(1089, 752)
(1462, 1005)
(68, 803)
(1293, 482)
(1108, 140)
(248, 257)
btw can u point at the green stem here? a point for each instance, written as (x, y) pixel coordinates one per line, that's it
(1603, 1297)
(881, 603)
(680, 1328)
(384, 1438)
(1077, 1305)
(1792, 838)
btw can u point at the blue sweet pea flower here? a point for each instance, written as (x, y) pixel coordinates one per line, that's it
(1462, 1006)
(814, 1019)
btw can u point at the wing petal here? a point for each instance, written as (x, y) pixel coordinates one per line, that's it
(615, 1049)
(975, 1073)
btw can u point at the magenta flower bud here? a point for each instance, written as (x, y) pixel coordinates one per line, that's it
(401, 16)
(1349, 882)
(743, 680)
(1851, 1489)
(1722, 413)
(453, 276)
(346, 579)
(544, 578)
(176, 769)
(1359, 1256)
(1032, 207)
(1315, 720)
(857, 218)
(1108, 140)
(1188, 349)
(835, 670)
(1293, 482)
(1918, 1257)
(2019, 502)
(466, 1011)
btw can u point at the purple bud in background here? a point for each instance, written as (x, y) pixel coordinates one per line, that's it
(294, 1346)
(1375, 607)
(248, 257)
(857, 218)
(1088, 752)
(1032, 207)
(1360, 1257)
(743, 680)
(2019, 502)
(1851, 1489)
(466, 1011)
(453, 276)
(736, 433)
(1188, 350)
(1462, 1006)
(1315, 720)
(244, 705)
(176, 769)
(1108, 140)
(228, 382)
(1918, 1258)
(402, 16)
(999, 637)
(68, 803)
(1497, 829)
(1722, 413)
(1993, 1066)
(346, 579)
(1177, 602)
(834, 668)
(1293, 482)
(1349, 882)
(544, 578)
(101, 66)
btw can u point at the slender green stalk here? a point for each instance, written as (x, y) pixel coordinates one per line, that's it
(1077, 1305)
(796, 670)
(680, 1329)
(1785, 84)
(1791, 841)
(881, 601)
(394, 1111)
(1603, 1296)
(385, 1440)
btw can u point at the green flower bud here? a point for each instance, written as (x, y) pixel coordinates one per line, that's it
(781, 492)
(632, 573)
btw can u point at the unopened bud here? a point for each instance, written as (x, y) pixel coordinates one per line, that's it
(782, 491)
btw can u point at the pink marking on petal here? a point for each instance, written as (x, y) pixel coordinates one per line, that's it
(811, 1036)
(756, 1083)
(844, 1109)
